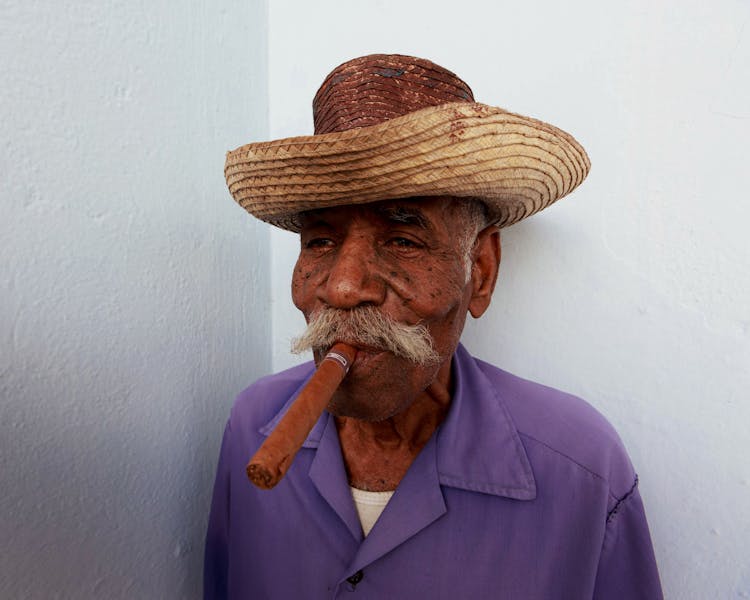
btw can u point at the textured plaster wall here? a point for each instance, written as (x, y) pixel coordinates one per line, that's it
(633, 292)
(133, 291)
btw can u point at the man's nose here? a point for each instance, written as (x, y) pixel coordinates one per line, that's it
(353, 279)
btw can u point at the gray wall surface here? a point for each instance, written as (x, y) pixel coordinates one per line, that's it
(133, 291)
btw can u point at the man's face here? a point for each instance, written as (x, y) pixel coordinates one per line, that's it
(404, 258)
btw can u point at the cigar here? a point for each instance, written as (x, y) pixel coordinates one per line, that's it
(272, 460)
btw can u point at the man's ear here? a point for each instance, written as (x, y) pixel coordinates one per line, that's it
(484, 268)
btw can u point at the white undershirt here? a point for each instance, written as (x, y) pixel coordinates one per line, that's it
(369, 506)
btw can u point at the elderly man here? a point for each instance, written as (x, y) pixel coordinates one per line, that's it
(431, 474)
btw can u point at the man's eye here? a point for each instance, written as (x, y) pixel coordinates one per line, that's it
(402, 242)
(319, 242)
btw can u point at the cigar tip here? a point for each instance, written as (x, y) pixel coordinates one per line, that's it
(260, 476)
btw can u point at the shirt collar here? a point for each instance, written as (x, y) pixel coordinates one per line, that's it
(477, 446)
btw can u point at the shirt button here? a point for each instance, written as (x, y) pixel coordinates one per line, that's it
(356, 578)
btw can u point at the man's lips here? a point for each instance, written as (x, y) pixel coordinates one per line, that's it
(366, 355)
(368, 349)
(359, 346)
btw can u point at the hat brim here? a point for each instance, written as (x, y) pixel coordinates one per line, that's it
(516, 165)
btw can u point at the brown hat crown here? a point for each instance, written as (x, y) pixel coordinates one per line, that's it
(373, 89)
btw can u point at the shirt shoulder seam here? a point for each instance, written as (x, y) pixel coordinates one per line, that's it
(615, 509)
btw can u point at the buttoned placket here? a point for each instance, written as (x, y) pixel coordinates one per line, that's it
(416, 504)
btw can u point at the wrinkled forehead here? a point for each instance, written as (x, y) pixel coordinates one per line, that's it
(428, 213)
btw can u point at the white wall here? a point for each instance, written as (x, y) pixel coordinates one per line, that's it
(133, 291)
(134, 295)
(633, 292)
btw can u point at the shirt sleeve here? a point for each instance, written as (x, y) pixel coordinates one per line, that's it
(627, 567)
(216, 557)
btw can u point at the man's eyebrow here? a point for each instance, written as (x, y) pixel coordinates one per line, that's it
(404, 214)
(312, 218)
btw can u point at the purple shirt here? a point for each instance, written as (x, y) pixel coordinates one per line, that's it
(523, 492)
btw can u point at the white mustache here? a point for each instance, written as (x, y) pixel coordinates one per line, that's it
(367, 326)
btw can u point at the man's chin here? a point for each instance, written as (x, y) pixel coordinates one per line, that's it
(378, 387)
(362, 412)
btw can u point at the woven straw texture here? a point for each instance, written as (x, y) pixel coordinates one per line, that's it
(515, 164)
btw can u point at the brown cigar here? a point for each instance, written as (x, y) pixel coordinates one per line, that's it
(273, 458)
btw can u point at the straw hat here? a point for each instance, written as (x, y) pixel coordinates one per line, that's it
(392, 126)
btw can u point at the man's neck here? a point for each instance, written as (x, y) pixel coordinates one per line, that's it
(377, 455)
